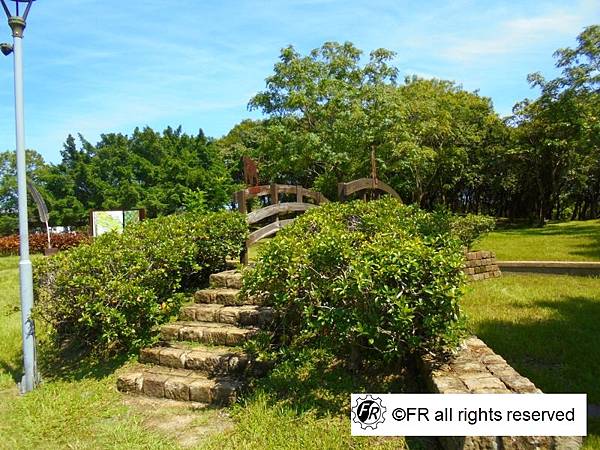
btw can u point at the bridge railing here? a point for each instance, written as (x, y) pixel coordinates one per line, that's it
(364, 184)
(274, 209)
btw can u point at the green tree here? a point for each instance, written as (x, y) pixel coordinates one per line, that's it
(36, 171)
(558, 133)
(148, 169)
(323, 112)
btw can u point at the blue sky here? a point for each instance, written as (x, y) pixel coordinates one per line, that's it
(97, 66)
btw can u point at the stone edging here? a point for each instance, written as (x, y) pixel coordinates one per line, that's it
(481, 265)
(475, 368)
(553, 267)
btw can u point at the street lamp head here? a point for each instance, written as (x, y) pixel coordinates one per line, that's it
(17, 21)
(17, 4)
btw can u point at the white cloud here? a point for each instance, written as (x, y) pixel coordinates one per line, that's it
(515, 35)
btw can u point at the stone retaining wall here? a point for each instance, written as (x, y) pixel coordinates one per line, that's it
(481, 265)
(476, 369)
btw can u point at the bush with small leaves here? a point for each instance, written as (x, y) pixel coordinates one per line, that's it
(369, 281)
(471, 227)
(109, 295)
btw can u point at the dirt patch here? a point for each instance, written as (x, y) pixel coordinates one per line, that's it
(188, 423)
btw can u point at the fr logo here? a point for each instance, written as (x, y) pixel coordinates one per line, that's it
(368, 412)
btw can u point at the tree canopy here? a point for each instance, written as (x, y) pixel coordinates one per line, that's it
(325, 115)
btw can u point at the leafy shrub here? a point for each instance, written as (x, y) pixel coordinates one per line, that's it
(371, 280)
(9, 245)
(110, 294)
(471, 227)
(8, 224)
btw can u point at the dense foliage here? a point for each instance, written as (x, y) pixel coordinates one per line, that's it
(434, 142)
(148, 169)
(471, 227)
(325, 114)
(373, 280)
(9, 245)
(110, 294)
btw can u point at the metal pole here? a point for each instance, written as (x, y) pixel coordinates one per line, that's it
(29, 380)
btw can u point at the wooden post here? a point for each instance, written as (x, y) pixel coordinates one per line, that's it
(299, 196)
(244, 255)
(241, 201)
(342, 192)
(274, 194)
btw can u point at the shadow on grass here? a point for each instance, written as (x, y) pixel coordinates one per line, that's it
(66, 365)
(73, 364)
(14, 367)
(311, 381)
(316, 382)
(559, 354)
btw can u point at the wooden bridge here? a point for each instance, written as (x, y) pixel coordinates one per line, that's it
(273, 194)
(276, 208)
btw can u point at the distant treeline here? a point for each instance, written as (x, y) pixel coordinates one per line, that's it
(325, 114)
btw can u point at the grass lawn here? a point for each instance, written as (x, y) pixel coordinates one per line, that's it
(567, 241)
(546, 327)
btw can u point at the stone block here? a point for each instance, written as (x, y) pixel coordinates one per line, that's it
(130, 382)
(224, 392)
(208, 313)
(200, 391)
(205, 296)
(172, 357)
(475, 342)
(194, 334)
(170, 332)
(229, 315)
(177, 388)
(188, 313)
(481, 385)
(154, 385)
(493, 359)
(445, 384)
(150, 355)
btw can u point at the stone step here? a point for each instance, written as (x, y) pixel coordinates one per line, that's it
(222, 296)
(210, 361)
(231, 279)
(179, 384)
(206, 333)
(244, 315)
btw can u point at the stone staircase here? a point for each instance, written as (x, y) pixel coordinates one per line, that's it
(199, 358)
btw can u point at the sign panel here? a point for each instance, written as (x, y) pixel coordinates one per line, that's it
(116, 220)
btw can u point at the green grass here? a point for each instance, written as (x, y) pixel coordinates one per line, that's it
(304, 404)
(546, 327)
(254, 249)
(567, 241)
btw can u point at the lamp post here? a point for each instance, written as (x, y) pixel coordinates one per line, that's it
(17, 24)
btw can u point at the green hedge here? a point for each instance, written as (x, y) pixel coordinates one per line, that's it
(471, 227)
(371, 281)
(108, 295)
